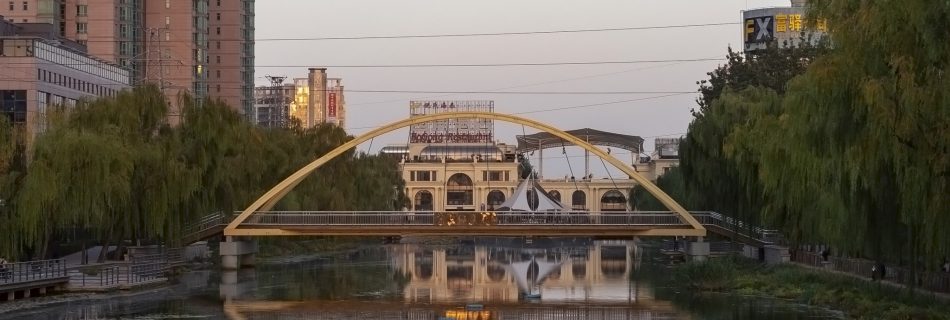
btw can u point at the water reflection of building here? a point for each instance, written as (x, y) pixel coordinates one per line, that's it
(600, 273)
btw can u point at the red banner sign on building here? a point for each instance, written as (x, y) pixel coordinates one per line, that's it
(331, 105)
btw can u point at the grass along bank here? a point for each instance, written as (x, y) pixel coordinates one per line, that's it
(857, 298)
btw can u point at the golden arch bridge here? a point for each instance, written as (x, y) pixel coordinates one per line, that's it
(258, 219)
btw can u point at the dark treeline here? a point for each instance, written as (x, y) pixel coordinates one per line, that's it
(846, 144)
(113, 170)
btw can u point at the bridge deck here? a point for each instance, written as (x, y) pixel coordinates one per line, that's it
(400, 223)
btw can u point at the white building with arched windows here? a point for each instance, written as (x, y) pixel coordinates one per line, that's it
(446, 169)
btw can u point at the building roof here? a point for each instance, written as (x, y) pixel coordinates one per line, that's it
(395, 149)
(544, 140)
(463, 150)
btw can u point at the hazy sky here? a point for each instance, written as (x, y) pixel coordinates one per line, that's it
(647, 118)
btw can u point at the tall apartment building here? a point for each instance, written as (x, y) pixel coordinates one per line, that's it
(205, 47)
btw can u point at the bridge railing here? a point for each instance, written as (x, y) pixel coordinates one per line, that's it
(21, 272)
(400, 218)
(764, 236)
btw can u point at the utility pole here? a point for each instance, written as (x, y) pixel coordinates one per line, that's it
(277, 105)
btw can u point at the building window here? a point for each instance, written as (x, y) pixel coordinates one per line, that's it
(494, 176)
(217, 74)
(579, 200)
(495, 199)
(13, 105)
(218, 44)
(217, 30)
(168, 20)
(81, 28)
(217, 59)
(218, 88)
(168, 36)
(613, 200)
(422, 175)
(11, 8)
(217, 16)
(26, 5)
(459, 190)
(81, 10)
(168, 4)
(422, 201)
(219, 3)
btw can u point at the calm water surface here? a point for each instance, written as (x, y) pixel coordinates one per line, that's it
(477, 279)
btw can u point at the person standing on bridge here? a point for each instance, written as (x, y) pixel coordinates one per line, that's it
(3, 269)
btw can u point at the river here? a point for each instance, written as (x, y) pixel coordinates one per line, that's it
(497, 278)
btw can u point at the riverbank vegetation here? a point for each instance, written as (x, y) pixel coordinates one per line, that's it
(858, 298)
(114, 169)
(845, 143)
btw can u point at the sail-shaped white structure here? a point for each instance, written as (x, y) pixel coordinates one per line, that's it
(520, 200)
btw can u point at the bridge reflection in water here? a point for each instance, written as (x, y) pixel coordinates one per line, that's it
(589, 280)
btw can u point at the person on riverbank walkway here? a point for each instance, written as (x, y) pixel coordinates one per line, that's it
(946, 266)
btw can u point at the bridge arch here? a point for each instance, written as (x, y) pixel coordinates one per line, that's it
(271, 197)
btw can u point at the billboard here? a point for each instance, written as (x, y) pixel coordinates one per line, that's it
(781, 25)
(451, 130)
(331, 105)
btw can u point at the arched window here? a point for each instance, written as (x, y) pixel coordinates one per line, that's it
(495, 199)
(613, 200)
(579, 200)
(423, 201)
(459, 190)
(555, 195)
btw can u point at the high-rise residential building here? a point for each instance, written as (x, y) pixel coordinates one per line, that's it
(319, 99)
(204, 47)
(231, 53)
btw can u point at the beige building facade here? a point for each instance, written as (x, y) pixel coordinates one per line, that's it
(202, 47)
(40, 75)
(478, 174)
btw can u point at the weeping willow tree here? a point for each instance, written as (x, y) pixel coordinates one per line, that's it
(112, 171)
(674, 184)
(872, 117)
(854, 152)
(721, 183)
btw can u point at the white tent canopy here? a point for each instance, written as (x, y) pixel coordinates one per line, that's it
(519, 201)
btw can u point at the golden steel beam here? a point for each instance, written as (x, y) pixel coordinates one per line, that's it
(269, 199)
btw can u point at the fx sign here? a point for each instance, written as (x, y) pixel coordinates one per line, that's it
(759, 29)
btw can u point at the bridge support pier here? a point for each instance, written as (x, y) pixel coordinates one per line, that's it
(237, 253)
(698, 250)
(776, 254)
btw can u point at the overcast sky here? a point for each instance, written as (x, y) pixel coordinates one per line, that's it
(647, 118)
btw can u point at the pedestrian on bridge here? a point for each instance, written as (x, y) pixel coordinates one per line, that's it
(3, 269)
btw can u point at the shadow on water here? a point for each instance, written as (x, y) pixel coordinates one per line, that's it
(492, 278)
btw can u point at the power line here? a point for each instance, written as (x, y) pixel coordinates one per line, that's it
(538, 83)
(482, 34)
(562, 108)
(450, 65)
